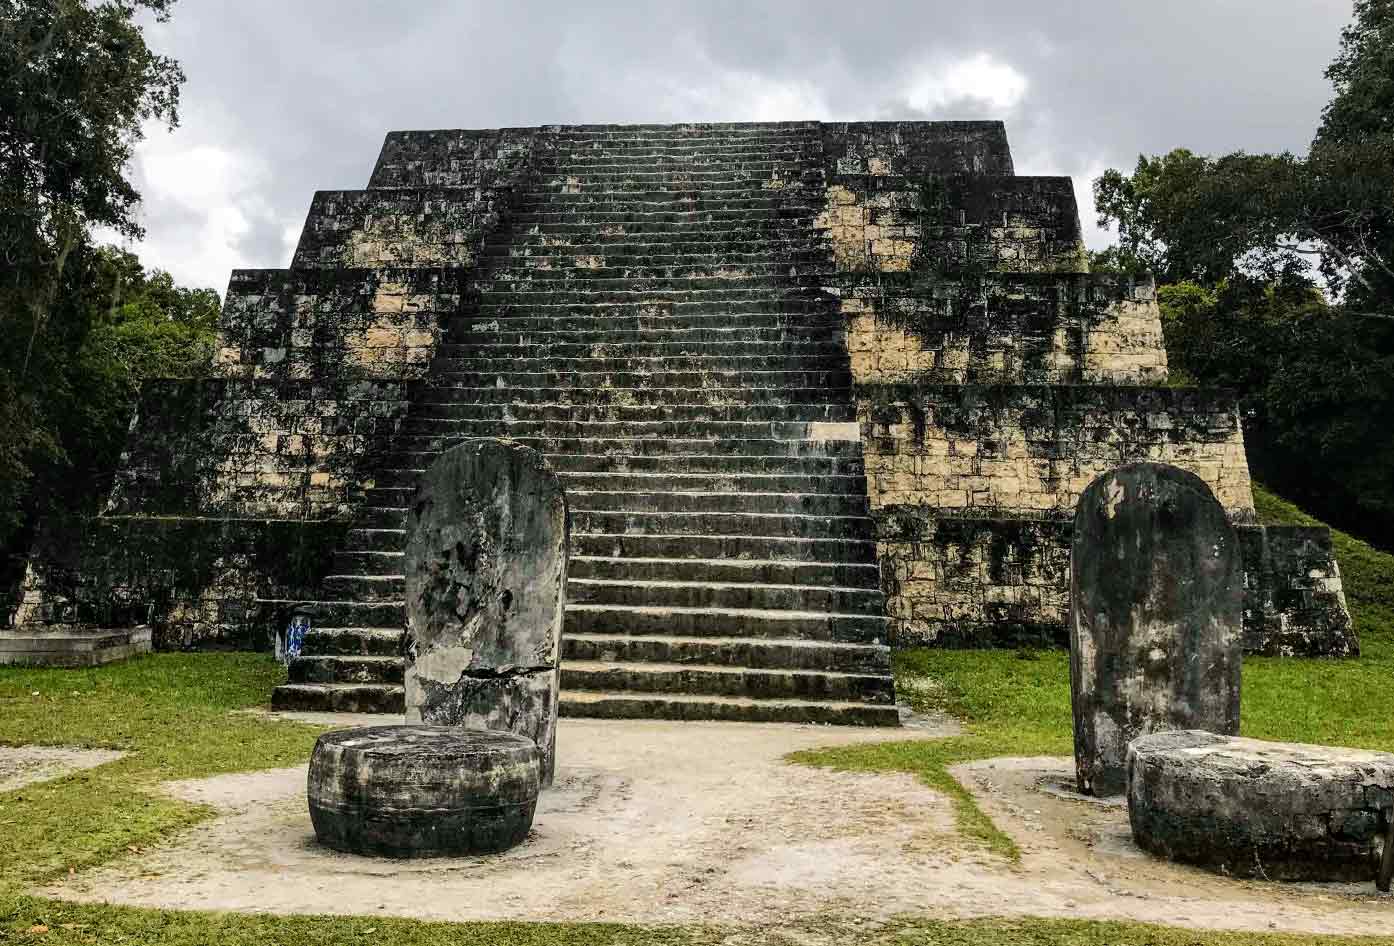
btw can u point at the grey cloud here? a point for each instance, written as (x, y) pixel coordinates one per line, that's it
(311, 87)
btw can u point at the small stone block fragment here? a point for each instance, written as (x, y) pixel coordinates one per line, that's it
(1249, 808)
(1156, 616)
(422, 791)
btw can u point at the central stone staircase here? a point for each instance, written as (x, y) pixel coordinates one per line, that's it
(650, 319)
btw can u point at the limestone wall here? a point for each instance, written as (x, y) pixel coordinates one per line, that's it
(1023, 329)
(401, 227)
(964, 581)
(1031, 450)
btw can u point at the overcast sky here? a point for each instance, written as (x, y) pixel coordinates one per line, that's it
(283, 98)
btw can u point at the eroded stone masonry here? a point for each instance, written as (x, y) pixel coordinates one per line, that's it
(813, 390)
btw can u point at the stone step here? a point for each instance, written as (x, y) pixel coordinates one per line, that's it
(684, 312)
(699, 594)
(691, 378)
(771, 178)
(339, 698)
(381, 517)
(584, 703)
(637, 341)
(638, 398)
(423, 447)
(390, 698)
(374, 540)
(701, 227)
(573, 135)
(374, 597)
(656, 322)
(625, 291)
(668, 430)
(661, 257)
(728, 652)
(538, 271)
(665, 621)
(618, 246)
(404, 468)
(786, 159)
(359, 562)
(659, 218)
(381, 572)
(329, 668)
(680, 483)
(625, 413)
(788, 152)
(865, 575)
(643, 203)
(546, 363)
(781, 525)
(354, 641)
(366, 587)
(716, 680)
(743, 349)
(806, 504)
(749, 547)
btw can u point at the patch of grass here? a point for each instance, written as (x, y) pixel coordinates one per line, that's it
(1018, 704)
(170, 712)
(174, 714)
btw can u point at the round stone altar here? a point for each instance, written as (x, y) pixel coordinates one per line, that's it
(422, 791)
(1249, 808)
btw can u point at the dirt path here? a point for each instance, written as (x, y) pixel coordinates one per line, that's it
(25, 765)
(659, 822)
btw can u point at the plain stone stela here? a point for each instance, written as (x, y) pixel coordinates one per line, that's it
(1156, 616)
(486, 563)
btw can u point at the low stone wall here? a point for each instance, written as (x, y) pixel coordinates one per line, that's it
(195, 581)
(1027, 449)
(966, 581)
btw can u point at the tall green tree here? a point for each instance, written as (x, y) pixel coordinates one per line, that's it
(1277, 275)
(1331, 212)
(78, 84)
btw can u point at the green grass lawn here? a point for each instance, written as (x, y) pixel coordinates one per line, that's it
(1018, 703)
(172, 712)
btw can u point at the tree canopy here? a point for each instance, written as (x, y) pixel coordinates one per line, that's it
(1277, 276)
(80, 324)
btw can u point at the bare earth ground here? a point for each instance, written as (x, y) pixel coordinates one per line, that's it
(25, 765)
(658, 822)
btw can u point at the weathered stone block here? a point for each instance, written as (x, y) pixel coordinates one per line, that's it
(486, 555)
(1156, 616)
(418, 791)
(1281, 811)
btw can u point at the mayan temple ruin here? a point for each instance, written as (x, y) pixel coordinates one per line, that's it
(814, 390)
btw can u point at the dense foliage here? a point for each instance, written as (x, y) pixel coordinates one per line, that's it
(80, 324)
(1277, 276)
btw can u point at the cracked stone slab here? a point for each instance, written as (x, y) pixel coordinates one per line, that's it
(1156, 616)
(487, 537)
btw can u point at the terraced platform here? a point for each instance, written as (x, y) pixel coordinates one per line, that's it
(649, 318)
